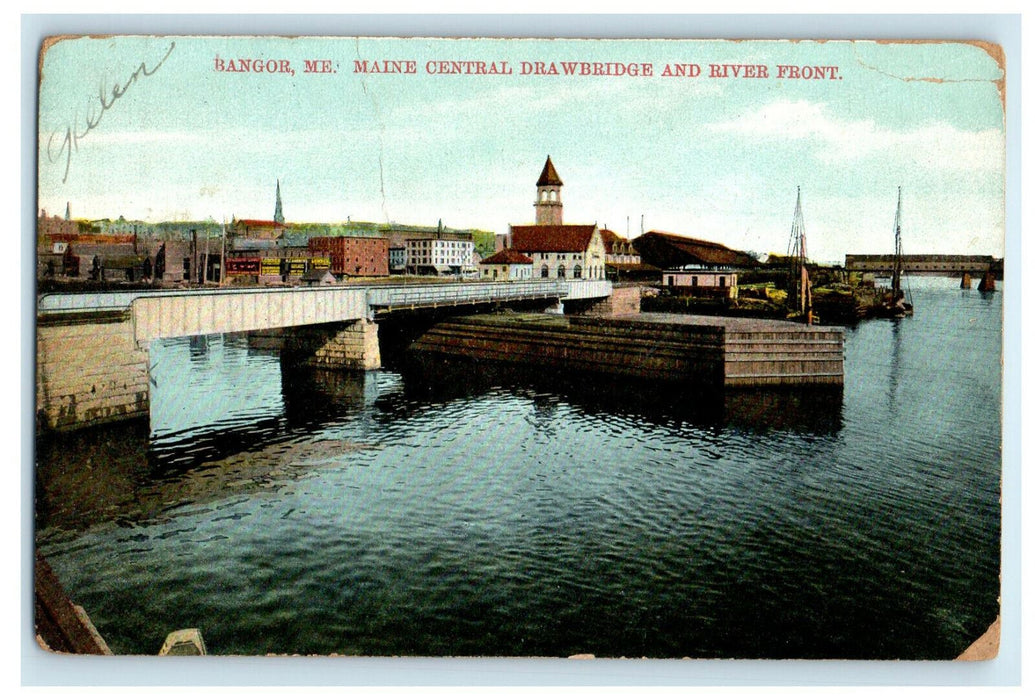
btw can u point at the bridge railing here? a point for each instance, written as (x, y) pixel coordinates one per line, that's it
(270, 300)
(455, 294)
(52, 302)
(56, 302)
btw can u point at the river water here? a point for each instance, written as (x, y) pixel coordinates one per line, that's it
(477, 512)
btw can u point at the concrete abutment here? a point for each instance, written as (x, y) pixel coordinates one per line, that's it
(90, 370)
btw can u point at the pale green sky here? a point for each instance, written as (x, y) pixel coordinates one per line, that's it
(714, 158)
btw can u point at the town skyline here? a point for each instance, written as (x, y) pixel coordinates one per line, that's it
(716, 158)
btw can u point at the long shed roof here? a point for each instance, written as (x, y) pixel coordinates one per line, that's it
(670, 250)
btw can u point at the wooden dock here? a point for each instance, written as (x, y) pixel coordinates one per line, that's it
(707, 351)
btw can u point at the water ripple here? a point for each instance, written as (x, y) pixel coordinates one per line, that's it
(369, 515)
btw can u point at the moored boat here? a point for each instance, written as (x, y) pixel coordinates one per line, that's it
(898, 303)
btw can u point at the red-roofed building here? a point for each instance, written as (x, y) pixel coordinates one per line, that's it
(558, 250)
(256, 229)
(561, 251)
(508, 264)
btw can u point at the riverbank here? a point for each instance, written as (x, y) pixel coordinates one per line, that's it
(833, 304)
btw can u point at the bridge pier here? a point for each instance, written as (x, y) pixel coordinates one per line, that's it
(623, 300)
(987, 283)
(352, 346)
(89, 370)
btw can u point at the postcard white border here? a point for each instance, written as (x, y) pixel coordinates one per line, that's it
(38, 668)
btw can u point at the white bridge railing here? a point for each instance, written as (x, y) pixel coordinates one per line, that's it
(424, 295)
(158, 313)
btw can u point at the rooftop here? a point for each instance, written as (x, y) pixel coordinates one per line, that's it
(672, 250)
(507, 256)
(557, 238)
(549, 175)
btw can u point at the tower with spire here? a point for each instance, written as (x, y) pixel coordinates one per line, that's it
(278, 213)
(549, 211)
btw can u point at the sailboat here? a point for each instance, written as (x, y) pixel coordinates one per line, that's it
(898, 306)
(799, 287)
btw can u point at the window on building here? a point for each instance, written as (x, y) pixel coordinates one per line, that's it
(560, 272)
(722, 281)
(576, 272)
(671, 280)
(544, 272)
(693, 281)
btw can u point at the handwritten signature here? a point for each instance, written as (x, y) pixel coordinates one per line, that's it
(73, 133)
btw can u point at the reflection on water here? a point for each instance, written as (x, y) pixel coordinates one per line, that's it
(814, 410)
(471, 510)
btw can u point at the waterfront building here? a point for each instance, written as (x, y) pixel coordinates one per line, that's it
(431, 250)
(701, 283)
(623, 260)
(318, 278)
(618, 250)
(172, 261)
(694, 267)
(245, 260)
(558, 250)
(440, 256)
(60, 261)
(671, 251)
(566, 251)
(398, 234)
(397, 260)
(353, 256)
(268, 261)
(506, 265)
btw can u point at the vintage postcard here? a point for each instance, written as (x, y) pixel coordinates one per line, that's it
(522, 348)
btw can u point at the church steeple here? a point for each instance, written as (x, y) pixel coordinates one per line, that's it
(68, 211)
(278, 214)
(548, 207)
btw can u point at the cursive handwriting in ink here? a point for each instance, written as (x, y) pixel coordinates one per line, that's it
(70, 139)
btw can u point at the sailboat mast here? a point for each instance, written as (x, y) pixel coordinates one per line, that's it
(896, 274)
(799, 272)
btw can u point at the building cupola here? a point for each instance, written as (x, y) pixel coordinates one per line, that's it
(548, 207)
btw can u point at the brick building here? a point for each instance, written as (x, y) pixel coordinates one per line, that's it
(352, 256)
